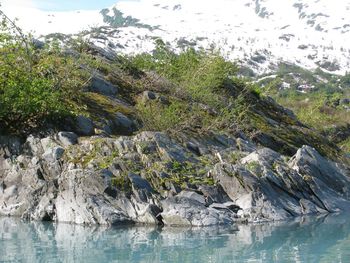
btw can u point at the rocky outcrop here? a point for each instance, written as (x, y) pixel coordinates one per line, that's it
(268, 187)
(154, 179)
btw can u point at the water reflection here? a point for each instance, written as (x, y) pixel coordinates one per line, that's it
(322, 239)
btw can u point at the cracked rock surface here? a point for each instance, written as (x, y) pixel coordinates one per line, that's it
(154, 179)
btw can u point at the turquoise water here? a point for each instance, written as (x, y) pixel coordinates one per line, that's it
(323, 239)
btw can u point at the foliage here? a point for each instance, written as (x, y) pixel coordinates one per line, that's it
(201, 92)
(252, 166)
(319, 108)
(345, 145)
(122, 183)
(180, 174)
(36, 84)
(176, 116)
(158, 117)
(204, 86)
(198, 73)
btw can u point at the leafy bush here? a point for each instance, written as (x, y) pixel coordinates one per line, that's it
(158, 117)
(36, 84)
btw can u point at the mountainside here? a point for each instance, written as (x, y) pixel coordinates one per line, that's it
(91, 136)
(260, 34)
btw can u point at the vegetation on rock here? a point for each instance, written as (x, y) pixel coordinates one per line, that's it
(46, 86)
(37, 84)
(320, 100)
(202, 145)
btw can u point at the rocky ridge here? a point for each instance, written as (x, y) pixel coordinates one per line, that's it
(154, 179)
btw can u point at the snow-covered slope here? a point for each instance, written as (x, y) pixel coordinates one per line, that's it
(42, 23)
(259, 33)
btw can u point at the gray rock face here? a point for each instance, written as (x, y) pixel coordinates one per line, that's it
(80, 199)
(53, 154)
(180, 210)
(266, 187)
(153, 179)
(10, 146)
(193, 196)
(326, 179)
(139, 183)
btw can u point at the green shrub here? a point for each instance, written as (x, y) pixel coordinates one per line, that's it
(206, 83)
(158, 117)
(178, 115)
(36, 85)
(198, 73)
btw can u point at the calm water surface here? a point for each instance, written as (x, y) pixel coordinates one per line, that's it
(322, 239)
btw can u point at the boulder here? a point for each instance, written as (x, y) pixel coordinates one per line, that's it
(67, 138)
(345, 101)
(122, 124)
(84, 126)
(147, 96)
(101, 86)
